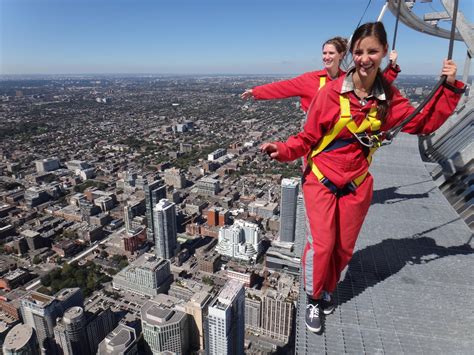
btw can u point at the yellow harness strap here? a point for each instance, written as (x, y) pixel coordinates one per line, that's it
(345, 120)
(322, 82)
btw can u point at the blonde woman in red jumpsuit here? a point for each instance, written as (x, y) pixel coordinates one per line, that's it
(308, 84)
(336, 219)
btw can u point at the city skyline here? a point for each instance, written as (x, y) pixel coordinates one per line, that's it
(209, 37)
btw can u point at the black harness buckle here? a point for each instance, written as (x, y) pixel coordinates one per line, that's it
(339, 192)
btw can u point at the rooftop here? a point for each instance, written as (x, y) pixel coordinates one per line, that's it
(18, 336)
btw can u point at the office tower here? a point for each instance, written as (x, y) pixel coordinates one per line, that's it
(164, 222)
(21, 339)
(225, 321)
(121, 341)
(301, 226)
(196, 308)
(164, 329)
(242, 240)
(40, 312)
(289, 195)
(154, 192)
(99, 323)
(70, 332)
(147, 275)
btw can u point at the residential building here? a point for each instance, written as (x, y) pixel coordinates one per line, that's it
(164, 222)
(242, 240)
(154, 192)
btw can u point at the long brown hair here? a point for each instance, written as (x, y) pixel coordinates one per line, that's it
(377, 30)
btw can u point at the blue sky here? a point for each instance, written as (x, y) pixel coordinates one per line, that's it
(196, 36)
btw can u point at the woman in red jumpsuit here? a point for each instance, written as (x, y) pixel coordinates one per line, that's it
(308, 84)
(336, 184)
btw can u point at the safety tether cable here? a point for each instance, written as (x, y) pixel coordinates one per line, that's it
(392, 133)
(396, 25)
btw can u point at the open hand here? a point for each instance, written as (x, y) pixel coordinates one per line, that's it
(271, 149)
(247, 94)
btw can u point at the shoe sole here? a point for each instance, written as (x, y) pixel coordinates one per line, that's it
(314, 330)
(328, 311)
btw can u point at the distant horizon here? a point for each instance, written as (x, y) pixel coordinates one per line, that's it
(39, 75)
(207, 37)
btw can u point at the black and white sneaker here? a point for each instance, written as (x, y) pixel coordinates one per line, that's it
(312, 317)
(327, 303)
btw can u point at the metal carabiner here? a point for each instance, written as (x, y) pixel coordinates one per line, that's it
(364, 139)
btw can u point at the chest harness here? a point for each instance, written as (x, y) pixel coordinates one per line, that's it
(329, 142)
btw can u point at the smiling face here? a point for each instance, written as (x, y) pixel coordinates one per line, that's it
(331, 58)
(368, 53)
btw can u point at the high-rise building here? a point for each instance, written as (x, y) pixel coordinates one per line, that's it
(225, 321)
(99, 323)
(164, 222)
(242, 240)
(289, 195)
(21, 340)
(165, 330)
(121, 341)
(301, 226)
(127, 217)
(40, 312)
(196, 308)
(70, 332)
(154, 192)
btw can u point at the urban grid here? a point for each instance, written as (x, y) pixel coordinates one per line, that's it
(137, 215)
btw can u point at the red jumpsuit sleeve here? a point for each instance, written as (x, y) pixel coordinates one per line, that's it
(390, 73)
(433, 115)
(320, 118)
(282, 89)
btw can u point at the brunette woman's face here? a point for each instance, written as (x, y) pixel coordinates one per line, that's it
(331, 58)
(368, 54)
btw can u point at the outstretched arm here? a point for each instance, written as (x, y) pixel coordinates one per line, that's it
(320, 117)
(281, 89)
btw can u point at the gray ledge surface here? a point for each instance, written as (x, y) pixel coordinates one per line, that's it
(410, 285)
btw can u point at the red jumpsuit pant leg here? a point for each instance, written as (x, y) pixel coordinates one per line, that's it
(321, 207)
(351, 212)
